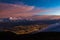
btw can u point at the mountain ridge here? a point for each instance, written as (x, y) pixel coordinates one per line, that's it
(35, 17)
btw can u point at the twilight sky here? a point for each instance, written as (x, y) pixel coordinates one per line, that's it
(16, 8)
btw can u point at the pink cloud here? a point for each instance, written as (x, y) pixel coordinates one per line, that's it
(47, 17)
(44, 17)
(15, 10)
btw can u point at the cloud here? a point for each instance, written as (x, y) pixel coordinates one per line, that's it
(44, 17)
(51, 11)
(16, 10)
(49, 17)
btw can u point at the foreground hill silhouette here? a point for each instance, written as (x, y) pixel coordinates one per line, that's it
(41, 35)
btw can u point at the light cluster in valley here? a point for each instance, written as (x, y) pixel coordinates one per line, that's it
(26, 29)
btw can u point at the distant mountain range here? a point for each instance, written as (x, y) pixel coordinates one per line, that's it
(8, 23)
(5, 22)
(35, 17)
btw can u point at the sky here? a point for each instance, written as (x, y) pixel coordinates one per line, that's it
(37, 3)
(26, 8)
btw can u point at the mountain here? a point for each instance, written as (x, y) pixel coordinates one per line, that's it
(34, 17)
(52, 28)
(26, 26)
(16, 21)
(37, 17)
(21, 25)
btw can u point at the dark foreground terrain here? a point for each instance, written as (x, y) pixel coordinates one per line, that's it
(25, 26)
(8, 35)
(37, 36)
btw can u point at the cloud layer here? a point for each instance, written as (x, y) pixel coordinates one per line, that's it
(16, 10)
